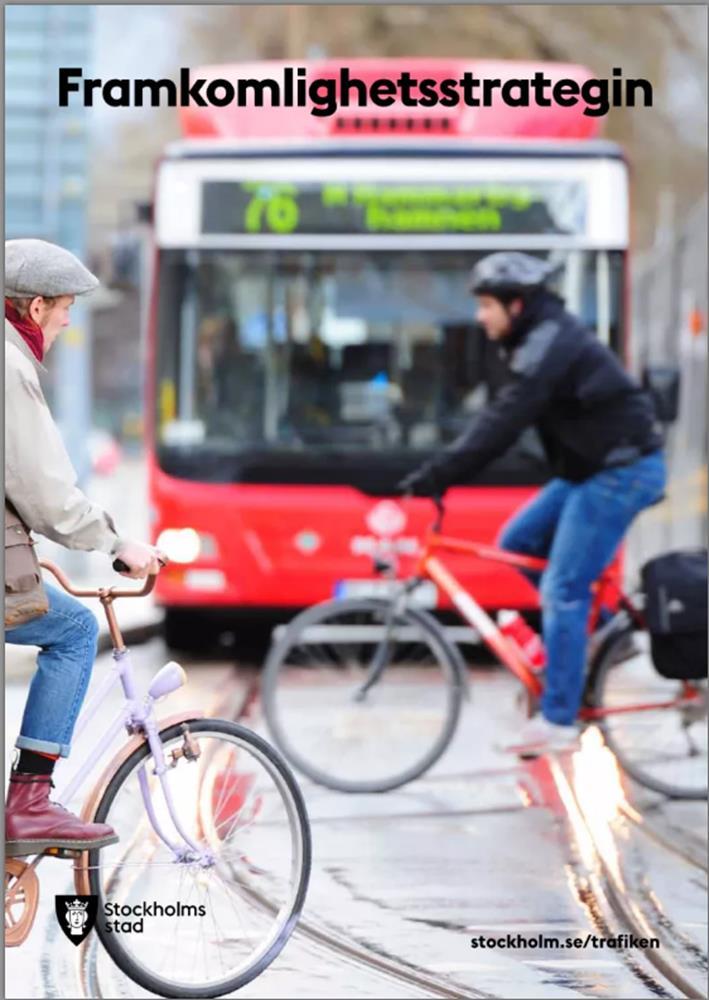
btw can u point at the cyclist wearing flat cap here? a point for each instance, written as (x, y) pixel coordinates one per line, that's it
(41, 494)
(599, 431)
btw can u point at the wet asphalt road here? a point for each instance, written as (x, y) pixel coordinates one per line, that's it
(479, 846)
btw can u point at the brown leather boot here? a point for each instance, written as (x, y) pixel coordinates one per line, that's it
(33, 823)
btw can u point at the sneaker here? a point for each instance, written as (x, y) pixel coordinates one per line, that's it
(538, 736)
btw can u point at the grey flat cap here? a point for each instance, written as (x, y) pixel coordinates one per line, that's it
(35, 267)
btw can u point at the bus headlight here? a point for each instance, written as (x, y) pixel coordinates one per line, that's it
(185, 545)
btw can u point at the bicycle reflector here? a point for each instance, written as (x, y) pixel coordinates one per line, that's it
(168, 679)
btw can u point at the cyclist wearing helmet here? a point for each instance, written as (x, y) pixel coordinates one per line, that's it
(599, 431)
(41, 281)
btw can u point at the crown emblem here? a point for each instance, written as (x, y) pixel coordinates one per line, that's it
(76, 915)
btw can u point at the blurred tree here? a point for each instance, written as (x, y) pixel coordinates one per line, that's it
(668, 45)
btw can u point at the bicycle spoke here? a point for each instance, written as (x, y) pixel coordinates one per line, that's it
(336, 735)
(664, 748)
(220, 803)
(214, 924)
(219, 882)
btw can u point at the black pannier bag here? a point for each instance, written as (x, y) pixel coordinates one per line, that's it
(675, 587)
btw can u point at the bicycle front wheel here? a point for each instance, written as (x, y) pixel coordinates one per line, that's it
(335, 729)
(181, 927)
(657, 732)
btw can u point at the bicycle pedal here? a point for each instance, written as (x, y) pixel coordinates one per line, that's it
(67, 853)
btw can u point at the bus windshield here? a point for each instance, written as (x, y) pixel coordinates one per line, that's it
(362, 353)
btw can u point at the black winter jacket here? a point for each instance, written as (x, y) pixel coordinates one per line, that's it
(589, 412)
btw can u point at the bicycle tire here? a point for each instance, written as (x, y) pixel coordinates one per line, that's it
(605, 667)
(112, 942)
(448, 657)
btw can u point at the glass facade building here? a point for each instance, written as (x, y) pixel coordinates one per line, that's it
(46, 147)
(46, 178)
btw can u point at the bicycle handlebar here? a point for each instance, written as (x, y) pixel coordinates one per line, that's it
(66, 583)
(440, 512)
(383, 565)
(439, 503)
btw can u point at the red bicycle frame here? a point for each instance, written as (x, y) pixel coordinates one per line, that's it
(606, 591)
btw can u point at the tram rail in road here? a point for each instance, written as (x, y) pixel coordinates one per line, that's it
(685, 846)
(597, 854)
(613, 904)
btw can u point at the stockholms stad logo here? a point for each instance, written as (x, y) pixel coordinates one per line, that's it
(76, 915)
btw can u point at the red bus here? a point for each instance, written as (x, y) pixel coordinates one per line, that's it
(311, 337)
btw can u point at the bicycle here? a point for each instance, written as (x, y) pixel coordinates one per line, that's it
(214, 843)
(364, 695)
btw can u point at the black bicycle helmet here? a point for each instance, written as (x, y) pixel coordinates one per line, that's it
(510, 273)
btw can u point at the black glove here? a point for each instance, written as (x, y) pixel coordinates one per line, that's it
(420, 483)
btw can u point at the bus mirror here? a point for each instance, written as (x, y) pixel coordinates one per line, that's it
(663, 384)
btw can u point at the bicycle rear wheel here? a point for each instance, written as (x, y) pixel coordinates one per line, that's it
(206, 930)
(663, 748)
(330, 728)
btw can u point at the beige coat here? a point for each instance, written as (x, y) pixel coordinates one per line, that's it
(39, 478)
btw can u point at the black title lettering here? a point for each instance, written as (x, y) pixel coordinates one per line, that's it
(323, 97)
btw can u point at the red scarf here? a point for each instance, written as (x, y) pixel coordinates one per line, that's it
(30, 331)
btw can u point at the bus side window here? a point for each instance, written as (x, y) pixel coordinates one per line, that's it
(361, 362)
(421, 382)
(421, 399)
(464, 365)
(311, 390)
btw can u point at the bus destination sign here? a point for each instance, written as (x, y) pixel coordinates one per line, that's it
(282, 209)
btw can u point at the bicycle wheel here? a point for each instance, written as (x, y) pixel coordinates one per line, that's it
(664, 749)
(206, 930)
(337, 734)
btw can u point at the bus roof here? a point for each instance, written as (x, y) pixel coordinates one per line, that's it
(229, 148)
(459, 124)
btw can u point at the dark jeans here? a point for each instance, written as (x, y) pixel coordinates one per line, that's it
(578, 527)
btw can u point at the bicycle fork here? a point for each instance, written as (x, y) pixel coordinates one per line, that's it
(190, 850)
(380, 657)
(139, 718)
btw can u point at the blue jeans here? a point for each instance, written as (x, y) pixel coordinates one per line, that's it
(578, 527)
(67, 636)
